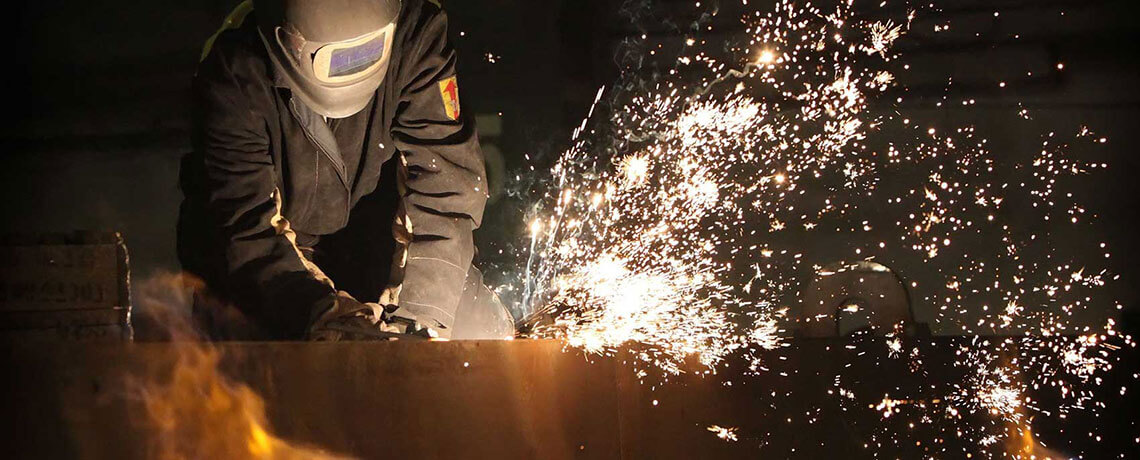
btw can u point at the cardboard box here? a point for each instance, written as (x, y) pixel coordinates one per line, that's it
(65, 287)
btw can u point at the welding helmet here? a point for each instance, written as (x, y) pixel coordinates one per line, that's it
(333, 54)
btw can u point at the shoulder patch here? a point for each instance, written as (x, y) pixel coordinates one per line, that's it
(449, 93)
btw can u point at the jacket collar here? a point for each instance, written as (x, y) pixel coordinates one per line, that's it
(279, 80)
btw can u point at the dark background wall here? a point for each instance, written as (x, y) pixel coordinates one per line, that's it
(97, 96)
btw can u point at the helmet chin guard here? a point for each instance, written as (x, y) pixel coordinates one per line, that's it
(332, 53)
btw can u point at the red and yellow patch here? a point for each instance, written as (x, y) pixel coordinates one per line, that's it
(449, 91)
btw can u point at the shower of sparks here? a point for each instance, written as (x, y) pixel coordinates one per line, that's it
(680, 224)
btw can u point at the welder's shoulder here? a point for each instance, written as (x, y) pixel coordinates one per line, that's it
(422, 20)
(234, 55)
(417, 8)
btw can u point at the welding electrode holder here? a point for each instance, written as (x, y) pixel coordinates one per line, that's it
(348, 319)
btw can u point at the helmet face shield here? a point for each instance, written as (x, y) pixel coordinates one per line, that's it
(334, 59)
(337, 62)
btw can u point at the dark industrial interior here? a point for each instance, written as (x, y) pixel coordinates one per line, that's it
(99, 95)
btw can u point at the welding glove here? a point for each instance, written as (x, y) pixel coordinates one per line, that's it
(336, 313)
(342, 317)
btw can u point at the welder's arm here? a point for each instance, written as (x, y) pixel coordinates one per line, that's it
(263, 264)
(444, 181)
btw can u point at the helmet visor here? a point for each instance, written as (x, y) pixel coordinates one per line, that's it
(346, 61)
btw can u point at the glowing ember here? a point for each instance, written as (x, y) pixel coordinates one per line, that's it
(725, 433)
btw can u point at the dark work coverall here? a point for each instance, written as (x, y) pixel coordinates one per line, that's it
(282, 208)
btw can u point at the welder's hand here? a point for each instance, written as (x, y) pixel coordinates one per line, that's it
(341, 311)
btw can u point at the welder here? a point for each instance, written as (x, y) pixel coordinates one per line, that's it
(335, 179)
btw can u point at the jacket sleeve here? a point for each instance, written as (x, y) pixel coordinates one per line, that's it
(443, 174)
(263, 265)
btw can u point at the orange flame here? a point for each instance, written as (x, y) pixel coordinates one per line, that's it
(196, 411)
(1022, 445)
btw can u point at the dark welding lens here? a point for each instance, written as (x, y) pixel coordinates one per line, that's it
(352, 60)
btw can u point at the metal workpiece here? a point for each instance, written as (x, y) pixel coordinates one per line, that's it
(417, 399)
(507, 399)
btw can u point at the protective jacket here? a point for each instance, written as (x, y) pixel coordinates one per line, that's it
(269, 178)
